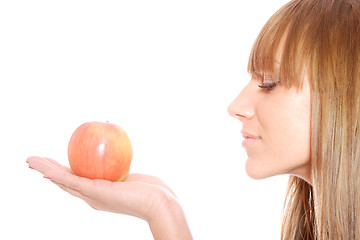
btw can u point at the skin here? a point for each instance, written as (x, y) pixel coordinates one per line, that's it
(276, 128)
(139, 195)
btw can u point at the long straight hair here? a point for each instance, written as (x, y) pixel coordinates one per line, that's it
(320, 38)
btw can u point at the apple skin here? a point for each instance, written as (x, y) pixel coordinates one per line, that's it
(100, 150)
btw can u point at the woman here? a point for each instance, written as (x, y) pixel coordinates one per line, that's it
(300, 115)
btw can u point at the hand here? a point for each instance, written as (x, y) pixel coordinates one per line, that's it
(142, 196)
(136, 196)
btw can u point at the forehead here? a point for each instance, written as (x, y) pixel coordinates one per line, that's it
(266, 59)
(281, 48)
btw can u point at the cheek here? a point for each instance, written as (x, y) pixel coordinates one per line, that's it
(286, 123)
(285, 131)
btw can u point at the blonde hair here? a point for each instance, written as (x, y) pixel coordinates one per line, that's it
(320, 38)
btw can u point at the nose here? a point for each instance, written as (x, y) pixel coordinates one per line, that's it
(243, 106)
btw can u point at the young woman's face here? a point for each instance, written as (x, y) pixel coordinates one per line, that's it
(276, 128)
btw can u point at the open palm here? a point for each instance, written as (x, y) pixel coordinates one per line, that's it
(138, 195)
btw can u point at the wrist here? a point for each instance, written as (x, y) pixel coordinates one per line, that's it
(167, 219)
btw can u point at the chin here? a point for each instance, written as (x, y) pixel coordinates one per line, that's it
(255, 172)
(259, 171)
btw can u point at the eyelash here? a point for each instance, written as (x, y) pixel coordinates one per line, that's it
(268, 86)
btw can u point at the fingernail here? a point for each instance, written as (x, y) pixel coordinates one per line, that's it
(46, 177)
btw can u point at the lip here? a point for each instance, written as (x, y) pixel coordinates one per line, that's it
(249, 138)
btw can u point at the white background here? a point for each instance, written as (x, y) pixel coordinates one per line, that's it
(163, 70)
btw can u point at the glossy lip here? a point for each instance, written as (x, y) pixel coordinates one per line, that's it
(249, 138)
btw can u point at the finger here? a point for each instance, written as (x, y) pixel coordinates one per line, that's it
(83, 185)
(72, 191)
(77, 194)
(58, 165)
(82, 188)
(42, 164)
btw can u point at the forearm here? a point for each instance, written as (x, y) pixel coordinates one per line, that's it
(170, 223)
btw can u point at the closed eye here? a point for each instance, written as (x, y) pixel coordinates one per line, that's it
(268, 86)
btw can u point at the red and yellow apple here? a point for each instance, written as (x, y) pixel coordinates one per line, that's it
(100, 150)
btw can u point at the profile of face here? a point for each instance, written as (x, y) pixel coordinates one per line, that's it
(275, 127)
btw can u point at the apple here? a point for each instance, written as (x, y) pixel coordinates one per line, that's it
(99, 150)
